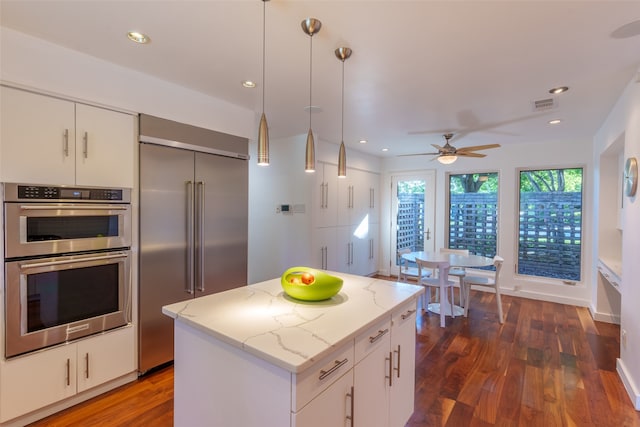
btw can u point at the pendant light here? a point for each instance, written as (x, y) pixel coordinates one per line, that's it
(263, 129)
(342, 53)
(310, 26)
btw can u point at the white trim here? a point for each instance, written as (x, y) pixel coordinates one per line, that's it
(604, 317)
(627, 380)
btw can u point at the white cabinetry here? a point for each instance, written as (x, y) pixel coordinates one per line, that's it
(34, 381)
(385, 369)
(346, 221)
(46, 140)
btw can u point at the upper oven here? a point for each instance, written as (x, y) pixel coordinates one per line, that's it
(49, 220)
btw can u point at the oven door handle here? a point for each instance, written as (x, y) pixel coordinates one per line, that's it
(74, 207)
(70, 261)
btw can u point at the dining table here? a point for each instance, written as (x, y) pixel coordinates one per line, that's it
(454, 260)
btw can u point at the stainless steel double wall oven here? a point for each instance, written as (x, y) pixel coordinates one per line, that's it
(67, 263)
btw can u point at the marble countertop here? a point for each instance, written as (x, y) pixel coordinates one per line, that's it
(262, 320)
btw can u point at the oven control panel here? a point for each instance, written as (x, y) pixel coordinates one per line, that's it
(26, 192)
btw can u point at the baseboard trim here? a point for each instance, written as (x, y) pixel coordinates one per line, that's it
(629, 385)
(604, 317)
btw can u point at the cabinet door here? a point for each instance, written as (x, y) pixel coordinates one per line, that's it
(325, 196)
(105, 144)
(344, 249)
(372, 189)
(403, 348)
(35, 381)
(37, 137)
(371, 375)
(105, 357)
(331, 408)
(324, 249)
(345, 200)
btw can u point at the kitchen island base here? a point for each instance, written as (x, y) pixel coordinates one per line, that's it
(254, 357)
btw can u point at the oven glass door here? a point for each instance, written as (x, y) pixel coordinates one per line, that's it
(40, 229)
(54, 300)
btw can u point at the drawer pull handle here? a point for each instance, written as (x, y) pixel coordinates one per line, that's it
(351, 396)
(338, 363)
(390, 376)
(407, 314)
(377, 337)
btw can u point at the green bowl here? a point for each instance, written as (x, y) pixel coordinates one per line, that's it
(309, 284)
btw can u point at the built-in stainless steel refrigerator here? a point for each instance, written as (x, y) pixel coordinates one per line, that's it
(193, 224)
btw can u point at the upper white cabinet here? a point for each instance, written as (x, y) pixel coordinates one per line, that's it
(46, 140)
(325, 196)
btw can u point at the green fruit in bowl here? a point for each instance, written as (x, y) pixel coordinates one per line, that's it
(309, 284)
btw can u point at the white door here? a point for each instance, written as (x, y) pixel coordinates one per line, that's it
(413, 213)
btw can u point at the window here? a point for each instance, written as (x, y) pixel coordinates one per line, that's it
(473, 213)
(550, 223)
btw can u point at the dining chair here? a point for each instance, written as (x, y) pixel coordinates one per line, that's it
(458, 272)
(441, 282)
(493, 282)
(405, 271)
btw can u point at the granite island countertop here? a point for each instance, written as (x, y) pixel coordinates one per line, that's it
(292, 334)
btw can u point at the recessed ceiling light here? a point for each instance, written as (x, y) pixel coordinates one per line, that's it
(138, 37)
(249, 83)
(363, 141)
(385, 149)
(555, 121)
(559, 89)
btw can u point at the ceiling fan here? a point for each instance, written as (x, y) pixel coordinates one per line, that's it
(449, 154)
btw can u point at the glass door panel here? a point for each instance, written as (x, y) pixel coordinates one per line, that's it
(413, 207)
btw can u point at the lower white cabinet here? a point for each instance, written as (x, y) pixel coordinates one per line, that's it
(384, 374)
(34, 381)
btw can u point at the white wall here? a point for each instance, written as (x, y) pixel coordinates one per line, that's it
(505, 161)
(280, 241)
(624, 119)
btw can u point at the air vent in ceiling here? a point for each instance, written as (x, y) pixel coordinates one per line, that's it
(545, 104)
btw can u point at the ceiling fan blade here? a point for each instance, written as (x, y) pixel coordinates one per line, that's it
(477, 147)
(437, 147)
(418, 154)
(469, 154)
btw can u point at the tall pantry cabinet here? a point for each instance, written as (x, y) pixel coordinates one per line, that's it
(49, 140)
(345, 220)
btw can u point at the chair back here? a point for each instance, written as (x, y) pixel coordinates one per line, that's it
(497, 263)
(403, 264)
(441, 266)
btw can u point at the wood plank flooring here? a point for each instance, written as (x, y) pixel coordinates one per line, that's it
(547, 365)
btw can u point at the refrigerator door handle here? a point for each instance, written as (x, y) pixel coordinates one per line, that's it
(190, 236)
(200, 242)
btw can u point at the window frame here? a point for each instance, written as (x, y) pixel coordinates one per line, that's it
(584, 220)
(448, 202)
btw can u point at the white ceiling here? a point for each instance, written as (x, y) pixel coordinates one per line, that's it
(418, 69)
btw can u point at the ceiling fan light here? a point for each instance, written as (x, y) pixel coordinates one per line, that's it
(447, 159)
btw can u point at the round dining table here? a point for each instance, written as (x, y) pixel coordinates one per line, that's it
(455, 260)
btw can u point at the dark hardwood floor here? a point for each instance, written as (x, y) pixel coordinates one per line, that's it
(547, 365)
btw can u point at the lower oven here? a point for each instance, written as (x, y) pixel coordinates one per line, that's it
(49, 301)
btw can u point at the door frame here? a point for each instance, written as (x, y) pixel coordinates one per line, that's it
(429, 177)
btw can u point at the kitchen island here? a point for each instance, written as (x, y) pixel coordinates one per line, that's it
(253, 356)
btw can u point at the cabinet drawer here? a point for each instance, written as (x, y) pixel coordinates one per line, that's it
(404, 314)
(377, 335)
(321, 375)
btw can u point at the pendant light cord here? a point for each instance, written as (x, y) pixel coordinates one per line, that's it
(264, 26)
(342, 133)
(310, 74)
